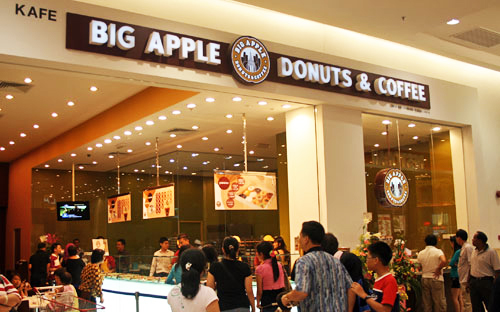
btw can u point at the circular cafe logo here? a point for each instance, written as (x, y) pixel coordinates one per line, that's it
(250, 60)
(396, 187)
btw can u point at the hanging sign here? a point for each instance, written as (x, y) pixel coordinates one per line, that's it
(119, 208)
(236, 190)
(158, 202)
(391, 187)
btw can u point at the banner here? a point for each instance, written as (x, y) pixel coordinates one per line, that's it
(158, 202)
(119, 208)
(236, 190)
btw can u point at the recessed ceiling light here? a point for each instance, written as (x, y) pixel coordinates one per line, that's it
(98, 145)
(415, 137)
(409, 148)
(93, 88)
(251, 152)
(265, 167)
(193, 173)
(412, 125)
(60, 160)
(453, 21)
(194, 154)
(111, 156)
(185, 168)
(150, 122)
(172, 160)
(179, 146)
(204, 163)
(270, 118)
(117, 137)
(262, 103)
(260, 159)
(386, 122)
(162, 117)
(375, 155)
(237, 99)
(216, 149)
(72, 155)
(176, 112)
(191, 105)
(80, 167)
(127, 132)
(210, 99)
(286, 106)
(195, 127)
(228, 131)
(28, 80)
(54, 115)
(236, 165)
(138, 128)
(22, 135)
(142, 170)
(376, 145)
(46, 165)
(94, 162)
(71, 103)
(129, 151)
(204, 138)
(12, 142)
(148, 143)
(436, 128)
(2, 148)
(36, 126)
(229, 116)
(173, 135)
(9, 96)
(166, 172)
(89, 148)
(443, 140)
(107, 141)
(136, 170)
(384, 133)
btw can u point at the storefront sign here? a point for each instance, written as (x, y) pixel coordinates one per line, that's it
(391, 188)
(235, 190)
(158, 202)
(247, 59)
(119, 208)
(36, 12)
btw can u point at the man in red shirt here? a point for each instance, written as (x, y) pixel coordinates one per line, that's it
(385, 291)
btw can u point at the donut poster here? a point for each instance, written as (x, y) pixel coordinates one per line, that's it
(236, 190)
(119, 208)
(158, 202)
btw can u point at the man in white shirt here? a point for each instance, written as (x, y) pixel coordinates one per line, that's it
(433, 261)
(464, 268)
(162, 260)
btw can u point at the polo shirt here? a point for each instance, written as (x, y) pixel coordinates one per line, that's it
(429, 258)
(484, 263)
(464, 263)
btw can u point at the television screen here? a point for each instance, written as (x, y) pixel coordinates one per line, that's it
(73, 211)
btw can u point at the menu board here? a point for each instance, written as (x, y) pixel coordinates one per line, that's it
(119, 208)
(235, 190)
(158, 202)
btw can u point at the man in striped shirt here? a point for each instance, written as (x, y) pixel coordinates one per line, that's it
(9, 296)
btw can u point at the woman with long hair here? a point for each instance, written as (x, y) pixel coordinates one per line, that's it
(175, 275)
(232, 279)
(281, 253)
(456, 293)
(190, 295)
(270, 277)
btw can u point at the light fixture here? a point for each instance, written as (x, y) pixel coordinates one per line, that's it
(286, 106)
(138, 128)
(60, 160)
(409, 148)
(262, 103)
(166, 172)
(229, 131)
(453, 21)
(28, 80)
(71, 103)
(193, 173)
(194, 154)
(80, 167)
(251, 152)
(204, 138)
(412, 125)
(265, 167)
(9, 96)
(54, 115)
(386, 122)
(111, 156)
(173, 135)
(89, 148)
(216, 149)
(260, 159)
(150, 122)
(72, 155)
(384, 133)
(179, 146)
(136, 170)
(236, 99)
(93, 88)
(117, 137)
(191, 105)
(415, 137)
(22, 135)
(94, 162)
(172, 160)
(204, 163)
(185, 168)
(2, 148)
(46, 165)
(436, 128)
(176, 112)
(36, 126)
(98, 145)
(129, 151)
(195, 127)
(162, 117)
(107, 141)
(127, 132)
(148, 143)
(236, 165)
(375, 155)
(229, 116)
(443, 140)
(210, 99)
(270, 118)
(376, 145)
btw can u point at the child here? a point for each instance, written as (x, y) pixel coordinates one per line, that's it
(385, 291)
(67, 294)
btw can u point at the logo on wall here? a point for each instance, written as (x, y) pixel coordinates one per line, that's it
(250, 59)
(391, 187)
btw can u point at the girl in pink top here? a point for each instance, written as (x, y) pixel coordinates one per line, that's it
(270, 278)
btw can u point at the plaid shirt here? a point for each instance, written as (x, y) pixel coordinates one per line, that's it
(92, 280)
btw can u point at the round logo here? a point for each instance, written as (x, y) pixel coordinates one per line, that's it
(391, 187)
(250, 60)
(224, 183)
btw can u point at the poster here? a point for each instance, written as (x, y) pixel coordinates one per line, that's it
(235, 190)
(384, 225)
(119, 208)
(158, 202)
(101, 244)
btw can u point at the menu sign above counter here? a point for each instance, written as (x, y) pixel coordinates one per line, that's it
(247, 59)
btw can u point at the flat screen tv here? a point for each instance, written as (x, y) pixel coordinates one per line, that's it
(73, 210)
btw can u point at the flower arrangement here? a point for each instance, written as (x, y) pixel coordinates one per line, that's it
(362, 251)
(50, 238)
(405, 272)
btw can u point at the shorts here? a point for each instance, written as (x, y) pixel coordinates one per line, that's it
(455, 283)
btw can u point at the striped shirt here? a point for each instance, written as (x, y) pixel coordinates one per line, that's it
(324, 279)
(6, 288)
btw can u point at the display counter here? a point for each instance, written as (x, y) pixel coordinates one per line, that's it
(120, 292)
